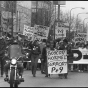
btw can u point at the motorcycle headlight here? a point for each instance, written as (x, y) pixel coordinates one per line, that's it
(27, 53)
(13, 61)
(6, 54)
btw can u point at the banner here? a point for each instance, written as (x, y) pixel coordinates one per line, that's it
(80, 56)
(41, 32)
(57, 61)
(60, 32)
(80, 37)
(28, 31)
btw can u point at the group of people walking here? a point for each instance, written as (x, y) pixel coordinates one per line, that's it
(39, 51)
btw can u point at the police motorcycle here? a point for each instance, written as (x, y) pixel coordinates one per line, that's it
(14, 77)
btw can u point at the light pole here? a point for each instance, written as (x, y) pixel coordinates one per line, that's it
(83, 22)
(70, 19)
(78, 15)
(81, 27)
(86, 24)
(87, 31)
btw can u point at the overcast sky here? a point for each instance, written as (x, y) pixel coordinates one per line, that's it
(72, 4)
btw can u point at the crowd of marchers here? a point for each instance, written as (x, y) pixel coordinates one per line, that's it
(38, 50)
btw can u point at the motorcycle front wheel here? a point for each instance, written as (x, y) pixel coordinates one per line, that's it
(12, 77)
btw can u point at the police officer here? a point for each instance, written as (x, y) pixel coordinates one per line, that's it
(13, 52)
(49, 46)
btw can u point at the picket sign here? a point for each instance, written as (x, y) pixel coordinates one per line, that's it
(28, 31)
(57, 61)
(60, 32)
(41, 32)
(80, 37)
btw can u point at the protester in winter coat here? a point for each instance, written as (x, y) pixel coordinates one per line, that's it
(49, 46)
(63, 46)
(81, 48)
(35, 52)
(42, 45)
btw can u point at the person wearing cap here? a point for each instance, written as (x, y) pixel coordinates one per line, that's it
(35, 53)
(49, 46)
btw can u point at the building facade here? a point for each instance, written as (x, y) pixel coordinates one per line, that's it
(25, 13)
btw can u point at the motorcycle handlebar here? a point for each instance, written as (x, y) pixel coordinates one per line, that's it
(10, 61)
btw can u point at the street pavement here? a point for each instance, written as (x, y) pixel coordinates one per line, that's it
(75, 79)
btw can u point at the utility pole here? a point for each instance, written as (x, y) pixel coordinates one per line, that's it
(19, 20)
(12, 17)
(16, 18)
(0, 25)
(36, 12)
(55, 23)
(58, 14)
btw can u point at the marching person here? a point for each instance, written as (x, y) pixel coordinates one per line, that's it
(62, 46)
(35, 53)
(42, 45)
(81, 48)
(2, 52)
(59, 46)
(49, 46)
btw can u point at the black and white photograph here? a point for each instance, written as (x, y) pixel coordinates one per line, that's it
(43, 43)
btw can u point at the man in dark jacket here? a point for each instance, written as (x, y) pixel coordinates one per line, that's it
(35, 53)
(2, 51)
(49, 45)
(42, 45)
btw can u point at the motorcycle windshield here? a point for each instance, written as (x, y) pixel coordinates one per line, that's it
(15, 51)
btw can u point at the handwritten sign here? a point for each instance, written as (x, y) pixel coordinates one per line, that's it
(60, 32)
(80, 37)
(57, 61)
(41, 32)
(28, 31)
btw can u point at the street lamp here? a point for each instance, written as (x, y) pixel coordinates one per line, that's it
(87, 31)
(83, 22)
(70, 19)
(86, 24)
(78, 15)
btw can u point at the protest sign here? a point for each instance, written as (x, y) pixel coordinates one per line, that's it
(81, 56)
(41, 32)
(28, 31)
(80, 37)
(57, 61)
(60, 32)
